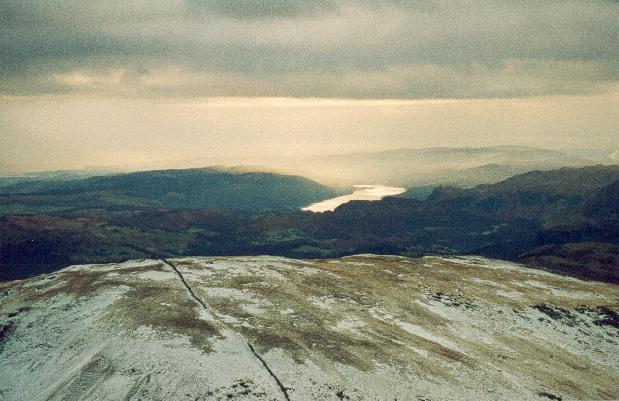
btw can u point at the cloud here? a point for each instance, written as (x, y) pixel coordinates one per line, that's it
(324, 48)
(259, 9)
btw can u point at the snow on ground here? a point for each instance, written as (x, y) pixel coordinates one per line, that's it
(367, 327)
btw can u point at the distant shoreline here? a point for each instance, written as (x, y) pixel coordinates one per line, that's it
(361, 192)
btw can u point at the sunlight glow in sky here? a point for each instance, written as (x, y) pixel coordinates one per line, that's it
(174, 83)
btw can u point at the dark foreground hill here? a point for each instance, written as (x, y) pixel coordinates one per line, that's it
(357, 328)
(169, 189)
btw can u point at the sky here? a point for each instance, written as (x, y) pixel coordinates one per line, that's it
(180, 82)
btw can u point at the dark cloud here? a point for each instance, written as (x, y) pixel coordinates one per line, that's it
(324, 48)
(274, 9)
(259, 9)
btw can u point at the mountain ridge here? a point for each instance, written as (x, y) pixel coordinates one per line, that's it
(178, 188)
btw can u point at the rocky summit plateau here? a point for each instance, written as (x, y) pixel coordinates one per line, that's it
(363, 327)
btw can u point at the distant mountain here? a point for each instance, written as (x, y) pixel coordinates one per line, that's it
(419, 167)
(29, 182)
(557, 195)
(466, 178)
(566, 220)
(484, 174)
(171, 189)
(568, 216)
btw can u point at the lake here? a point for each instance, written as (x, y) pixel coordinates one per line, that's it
(361, 192)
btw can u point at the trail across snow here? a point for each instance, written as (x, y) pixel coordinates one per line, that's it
(249, 345)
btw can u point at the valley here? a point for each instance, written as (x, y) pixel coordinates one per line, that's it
(566, 220)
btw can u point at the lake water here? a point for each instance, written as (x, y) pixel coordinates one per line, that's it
(361, 192)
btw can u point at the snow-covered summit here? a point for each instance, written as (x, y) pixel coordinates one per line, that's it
(364, 327)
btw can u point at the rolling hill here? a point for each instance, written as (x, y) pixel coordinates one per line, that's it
(565, 220)
(168, 189)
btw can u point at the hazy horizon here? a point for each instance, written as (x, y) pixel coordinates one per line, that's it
(592, 155)
(255, 132)
(172, 83)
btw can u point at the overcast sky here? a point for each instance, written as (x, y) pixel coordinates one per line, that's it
(103, 83)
